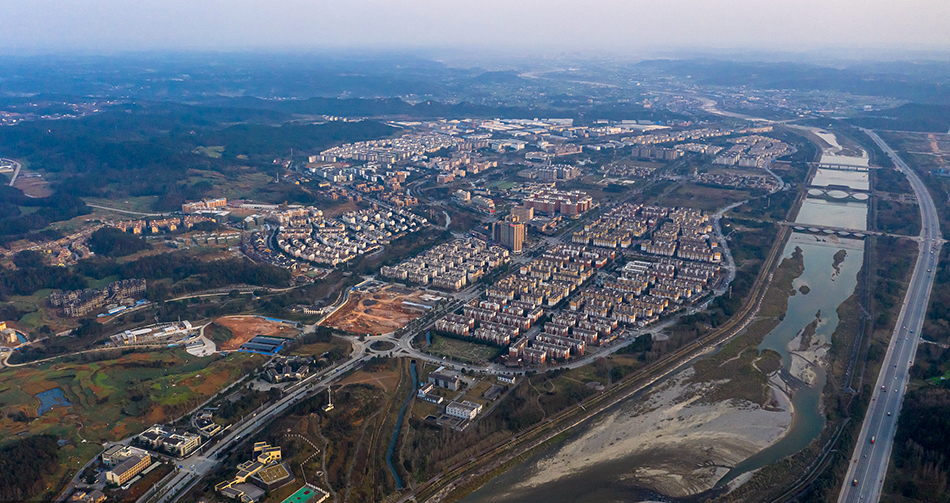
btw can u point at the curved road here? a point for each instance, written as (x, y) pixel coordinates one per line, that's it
(16, 170)
(868, 467)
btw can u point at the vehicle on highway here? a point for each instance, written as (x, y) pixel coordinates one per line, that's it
(854, 482)
(872, 439)
(888, 413)
(883, 389)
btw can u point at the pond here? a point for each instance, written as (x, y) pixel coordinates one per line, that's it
(49, 399)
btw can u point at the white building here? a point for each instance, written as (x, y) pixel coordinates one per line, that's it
(464, 410)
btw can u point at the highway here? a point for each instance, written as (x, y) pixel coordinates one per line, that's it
(868, 465)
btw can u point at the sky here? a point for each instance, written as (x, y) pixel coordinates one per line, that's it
(527, 26)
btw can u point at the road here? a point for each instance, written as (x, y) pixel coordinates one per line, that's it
(868, 467)
(137, 213)
(16, 170)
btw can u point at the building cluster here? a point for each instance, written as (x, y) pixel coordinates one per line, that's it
(686, 234)
(168, 224)
(82, 302)
(67, 250)
(465, 410)
(631, 171)
(391, 150)
(752, 151)
(657, 153)
(449, 266)
(459, 164)
(124, 463)
(284, 369)
(384, 185)
(265, 456)
(491, 321)
(256, 245)
(738, 180)
(204, 206)
(691, 135)
(517, 302)
(551, 173)
(160, 333)
(564, 335)
(178, 443)
(621, 226)
(550, 278)
(307, 235)
(700, 148)
(644, 290)
(551, 201)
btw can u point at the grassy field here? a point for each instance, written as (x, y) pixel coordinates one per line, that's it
(112, 399)
(462, 351)
(700, 197)
(318, 348)
(213, 152)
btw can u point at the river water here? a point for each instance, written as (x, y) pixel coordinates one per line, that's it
(842, 214)
(828, 285)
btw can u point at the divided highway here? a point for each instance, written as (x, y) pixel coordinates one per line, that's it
(868, 464)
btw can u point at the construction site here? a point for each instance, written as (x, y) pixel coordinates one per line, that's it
(378, 308)
(246, 328)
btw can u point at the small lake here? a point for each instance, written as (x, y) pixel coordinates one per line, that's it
(49, 399)
(843, 214)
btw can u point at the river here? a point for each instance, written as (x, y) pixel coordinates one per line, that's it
(828, 283)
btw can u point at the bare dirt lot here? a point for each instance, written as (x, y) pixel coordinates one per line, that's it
(379, 311)
(246, 328)
(33, 186)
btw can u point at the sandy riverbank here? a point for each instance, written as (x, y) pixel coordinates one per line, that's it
(677, 444)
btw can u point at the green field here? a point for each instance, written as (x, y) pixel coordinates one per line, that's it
(462, 351)
(111, 399)
(213, 152)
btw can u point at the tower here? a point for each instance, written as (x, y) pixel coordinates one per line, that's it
(329, 406)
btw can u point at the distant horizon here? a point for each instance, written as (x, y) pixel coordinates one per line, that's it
(818, 57)
(609, 28)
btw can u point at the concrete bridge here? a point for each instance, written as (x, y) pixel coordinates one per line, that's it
(828, 230)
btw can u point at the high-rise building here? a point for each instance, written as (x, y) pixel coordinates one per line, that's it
(524, 213)
(509, 233)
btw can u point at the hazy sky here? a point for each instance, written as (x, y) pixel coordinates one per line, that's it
(104, 26)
